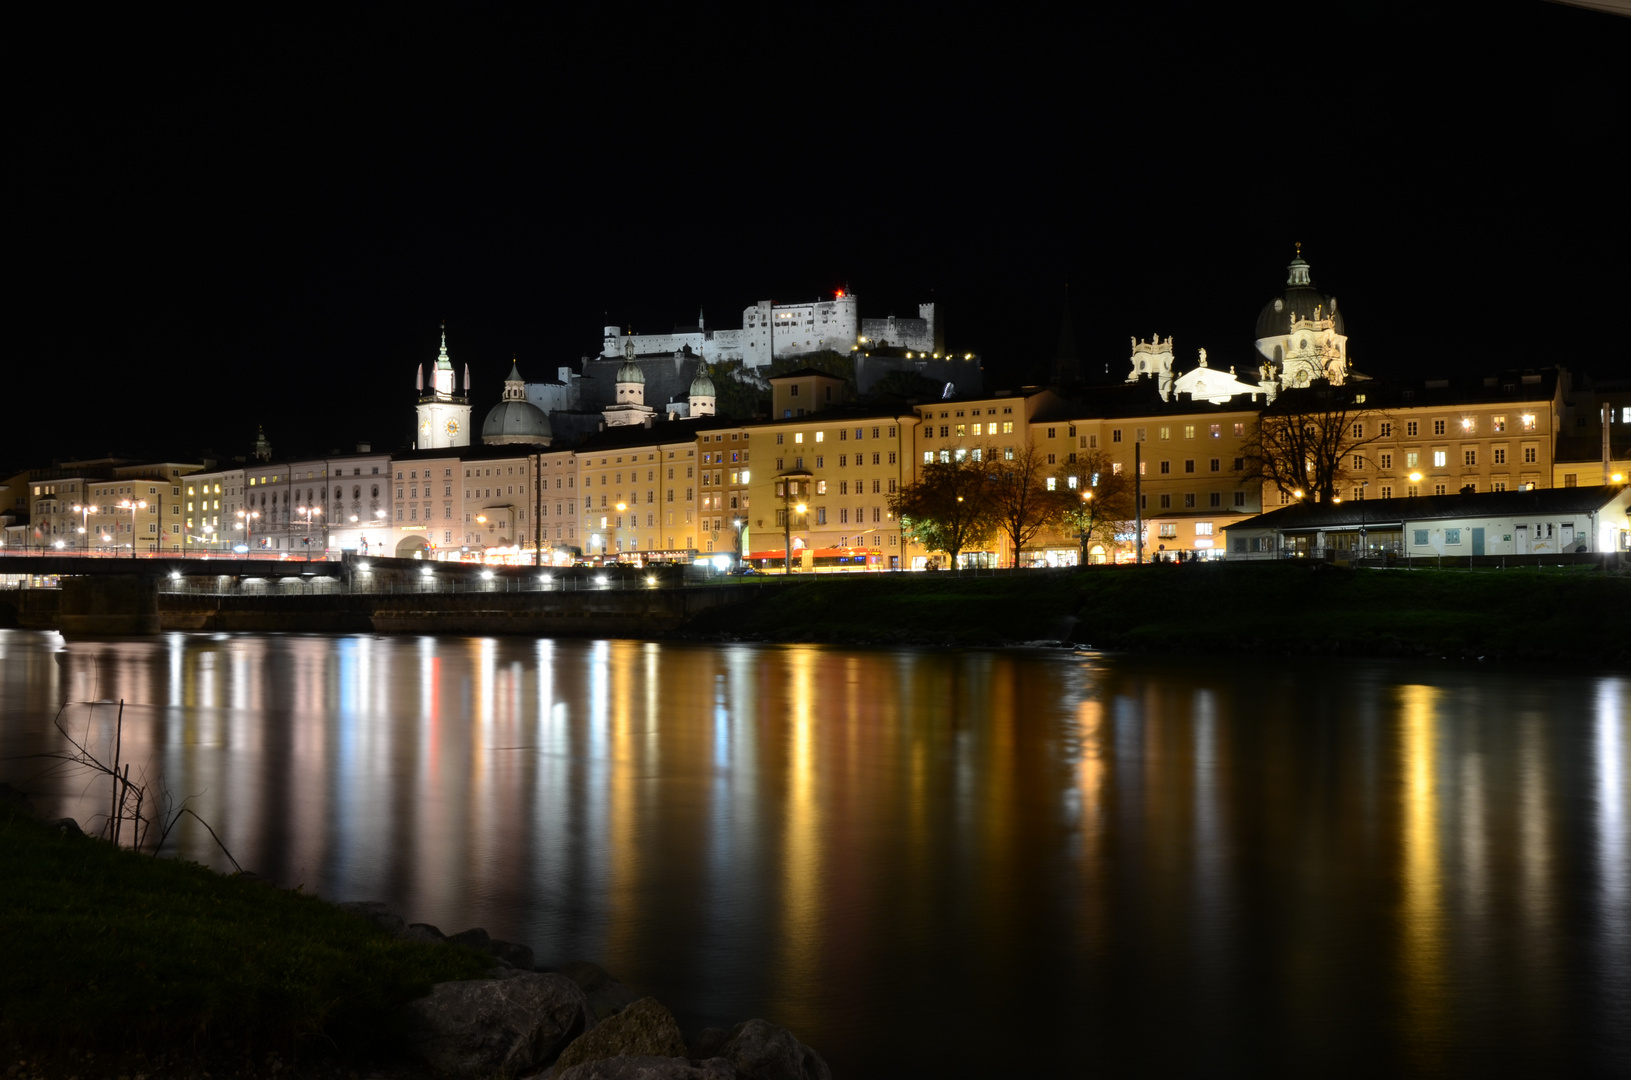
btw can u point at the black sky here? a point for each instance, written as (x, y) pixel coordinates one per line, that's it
(235, 220)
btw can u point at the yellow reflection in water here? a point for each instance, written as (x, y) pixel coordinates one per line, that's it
(801, 847)
(622, 841)
(1422, 915)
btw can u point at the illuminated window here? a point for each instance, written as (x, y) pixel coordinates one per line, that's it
(1051, 484)
(1166, 433)
(1167, 530)
(1203, 528)
(1070, 482)
(1498, 424)
(1189, 431)
(1529, 421)
(1439, 458)
(1007, 427)
(821, 436)
(798, 436)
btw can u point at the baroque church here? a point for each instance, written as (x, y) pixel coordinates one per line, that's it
(1300, 340)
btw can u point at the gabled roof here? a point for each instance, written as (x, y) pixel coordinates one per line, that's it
(1378, 513)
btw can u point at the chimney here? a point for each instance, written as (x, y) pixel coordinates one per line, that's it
(364, 448)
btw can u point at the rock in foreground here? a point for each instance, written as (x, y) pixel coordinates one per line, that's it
(644, 1029)
(489, 1026)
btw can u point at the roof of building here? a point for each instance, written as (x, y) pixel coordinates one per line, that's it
(806, 372)
(1301, 299)
(516, 421)
(1379, 513)
(627, 436)
(630, 373)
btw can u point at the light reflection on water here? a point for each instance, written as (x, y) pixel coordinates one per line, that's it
(909, 857)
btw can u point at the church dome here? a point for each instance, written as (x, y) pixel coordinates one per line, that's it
(1301, 299)
(516, 422)
(630, 373)
(702, 386)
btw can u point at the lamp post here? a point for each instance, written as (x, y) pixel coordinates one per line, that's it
(308, 511)
(1363, 547)
(84, 521)
(133, 506)
(737, 523)
(246, 522)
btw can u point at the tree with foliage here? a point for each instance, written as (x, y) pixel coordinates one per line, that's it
(1023, 501)
(948, 508)
(737, 392)
(1306, 442)
(1101, 507)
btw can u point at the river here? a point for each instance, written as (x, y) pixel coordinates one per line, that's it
(930, 863)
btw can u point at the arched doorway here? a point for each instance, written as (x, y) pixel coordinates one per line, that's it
(411, 547)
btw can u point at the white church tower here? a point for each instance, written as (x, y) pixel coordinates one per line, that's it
(444, 411)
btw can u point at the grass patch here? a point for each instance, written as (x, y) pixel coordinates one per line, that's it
(1270, 608)
(109, 950)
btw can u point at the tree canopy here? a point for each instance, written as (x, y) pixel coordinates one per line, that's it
(1101, 508)
(948, 508)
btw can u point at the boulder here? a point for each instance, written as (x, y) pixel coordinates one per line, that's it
(68, 826)
(762, 1051)
(642, 1067)
(517, 956)
(605, 994)
(475, 938)
(710, 1042)
(645, 1028)
(423, 932)
(376, 912)
(487, 1026)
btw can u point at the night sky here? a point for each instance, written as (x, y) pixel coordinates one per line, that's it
(228, 221)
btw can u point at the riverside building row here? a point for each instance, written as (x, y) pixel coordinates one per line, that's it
(672, 480)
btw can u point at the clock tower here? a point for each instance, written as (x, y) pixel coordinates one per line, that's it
(444, 410)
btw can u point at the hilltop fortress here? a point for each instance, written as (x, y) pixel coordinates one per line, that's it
(770, 330)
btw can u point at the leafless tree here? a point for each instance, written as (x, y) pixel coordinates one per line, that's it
(1023, 502)
(1101, 500)
(1306, 442)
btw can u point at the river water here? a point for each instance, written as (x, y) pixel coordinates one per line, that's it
(930, 863)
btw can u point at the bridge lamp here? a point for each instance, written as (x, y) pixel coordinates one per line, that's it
(486, 575)
(600, 579)
(140, 504)
(84, 523)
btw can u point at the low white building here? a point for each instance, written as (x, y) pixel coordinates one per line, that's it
(1546, 521)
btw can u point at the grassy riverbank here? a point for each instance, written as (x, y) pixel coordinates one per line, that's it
(1261, 609)
(107, 951)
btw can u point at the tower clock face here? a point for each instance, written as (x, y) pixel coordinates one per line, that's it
(452, 427)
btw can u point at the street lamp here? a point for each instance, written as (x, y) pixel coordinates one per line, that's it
(247, 524)
(1363, 549)
(308, 511)
(133, 507)
(84, 514)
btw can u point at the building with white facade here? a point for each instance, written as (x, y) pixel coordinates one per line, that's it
(770, 330)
